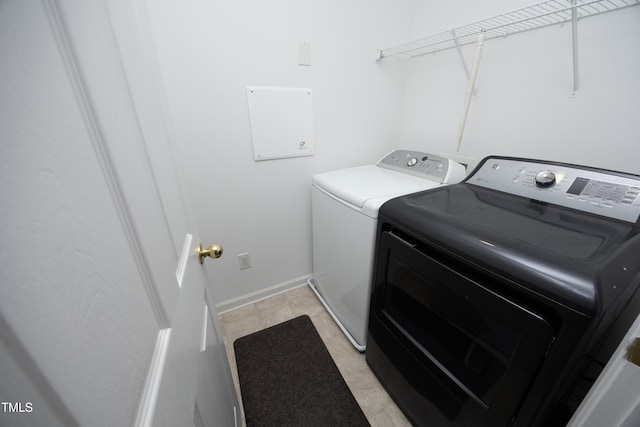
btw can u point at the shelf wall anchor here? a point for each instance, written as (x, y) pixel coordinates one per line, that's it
(464, 63)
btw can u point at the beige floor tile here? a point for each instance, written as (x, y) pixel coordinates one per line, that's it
(367, 390)
(390, 415)
(242, 326)
(302, 300)
(371, 396)
(346, 357)
(277, 314)
(326, 326)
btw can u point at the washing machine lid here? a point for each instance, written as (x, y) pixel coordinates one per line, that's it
(357, 186)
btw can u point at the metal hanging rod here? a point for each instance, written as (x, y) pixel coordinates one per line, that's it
(539, 15)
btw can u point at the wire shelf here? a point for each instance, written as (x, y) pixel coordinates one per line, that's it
(551, 12)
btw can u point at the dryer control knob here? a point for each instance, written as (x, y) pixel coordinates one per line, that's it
(545, 179)
(412, 162)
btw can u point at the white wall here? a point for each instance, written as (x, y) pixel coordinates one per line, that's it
(523, 105)
(209, 51)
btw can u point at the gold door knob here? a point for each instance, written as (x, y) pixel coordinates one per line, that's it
(213, 251)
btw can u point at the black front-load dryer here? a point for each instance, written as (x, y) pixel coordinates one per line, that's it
(497, 301)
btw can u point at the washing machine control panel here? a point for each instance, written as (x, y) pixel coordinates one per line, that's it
(611, 194)
(420, 164)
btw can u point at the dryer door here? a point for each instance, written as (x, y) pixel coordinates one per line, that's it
(468, 353)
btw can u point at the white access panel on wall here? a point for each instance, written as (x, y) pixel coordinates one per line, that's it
(281, 122)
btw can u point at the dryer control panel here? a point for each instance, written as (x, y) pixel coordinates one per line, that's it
(611, 194)
(424, 165)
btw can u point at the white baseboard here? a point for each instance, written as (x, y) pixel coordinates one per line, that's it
(252, 297)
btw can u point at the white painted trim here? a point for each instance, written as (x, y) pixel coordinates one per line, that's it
(147, 406)
(184, 257)
(256, 296)
(205, 318)
(85, 105)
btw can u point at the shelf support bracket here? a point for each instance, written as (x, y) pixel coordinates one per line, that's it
(471, 86)
(464, 63)
(574, 38)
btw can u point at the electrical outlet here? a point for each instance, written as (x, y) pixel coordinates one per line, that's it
(244, 261)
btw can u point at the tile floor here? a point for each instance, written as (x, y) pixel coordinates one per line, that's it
(376, 404)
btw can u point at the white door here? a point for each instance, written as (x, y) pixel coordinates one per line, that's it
(105, 311)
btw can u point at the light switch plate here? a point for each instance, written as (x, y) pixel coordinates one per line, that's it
(304, 52)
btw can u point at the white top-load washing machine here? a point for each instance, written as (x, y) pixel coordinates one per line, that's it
(345, 207)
